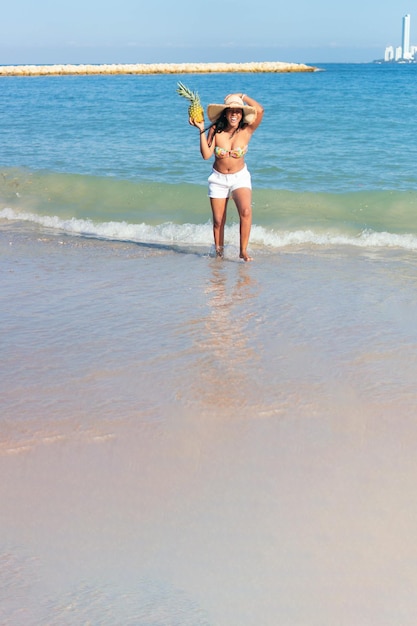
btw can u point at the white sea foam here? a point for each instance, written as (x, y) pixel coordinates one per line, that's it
(196, 234)
(366, 239)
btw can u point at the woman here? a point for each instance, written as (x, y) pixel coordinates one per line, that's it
(228, 138)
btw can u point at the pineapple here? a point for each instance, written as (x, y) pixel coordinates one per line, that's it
(195, 110)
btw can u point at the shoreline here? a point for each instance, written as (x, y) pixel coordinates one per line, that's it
(153, 68)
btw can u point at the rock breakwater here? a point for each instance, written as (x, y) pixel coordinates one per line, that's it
(152, 68)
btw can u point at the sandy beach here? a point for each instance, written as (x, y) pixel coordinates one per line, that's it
(225, 457)
(212, 522)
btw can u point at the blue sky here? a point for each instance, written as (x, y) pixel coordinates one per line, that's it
(175, 31)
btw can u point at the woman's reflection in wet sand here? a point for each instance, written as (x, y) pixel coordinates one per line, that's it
(225, 337)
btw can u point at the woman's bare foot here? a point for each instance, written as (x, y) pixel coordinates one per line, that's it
(245, 256)
(220, 252)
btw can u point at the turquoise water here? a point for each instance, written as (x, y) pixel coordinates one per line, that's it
(345, 128)
(334, 157)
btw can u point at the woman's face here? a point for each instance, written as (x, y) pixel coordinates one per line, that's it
(234, 116)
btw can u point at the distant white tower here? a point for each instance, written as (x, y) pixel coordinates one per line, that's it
(389, 54)
(406, 37)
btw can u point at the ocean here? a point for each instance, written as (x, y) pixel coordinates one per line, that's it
(188, 440)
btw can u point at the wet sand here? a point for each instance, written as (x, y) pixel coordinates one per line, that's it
(205, 521)
(191, 441)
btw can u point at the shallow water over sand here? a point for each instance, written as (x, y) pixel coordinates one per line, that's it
(191, 441)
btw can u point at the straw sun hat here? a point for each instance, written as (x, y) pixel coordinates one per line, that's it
(231, 102)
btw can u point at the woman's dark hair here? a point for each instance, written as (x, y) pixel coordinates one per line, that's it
(221, 123)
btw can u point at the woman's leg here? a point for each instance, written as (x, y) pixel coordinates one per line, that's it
(243, 201)
(219, 210)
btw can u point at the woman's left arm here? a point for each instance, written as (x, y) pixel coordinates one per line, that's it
(259, 110)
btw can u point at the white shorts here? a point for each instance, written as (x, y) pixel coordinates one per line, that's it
(223, 185)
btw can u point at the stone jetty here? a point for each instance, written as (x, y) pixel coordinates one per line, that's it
(152, 68)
